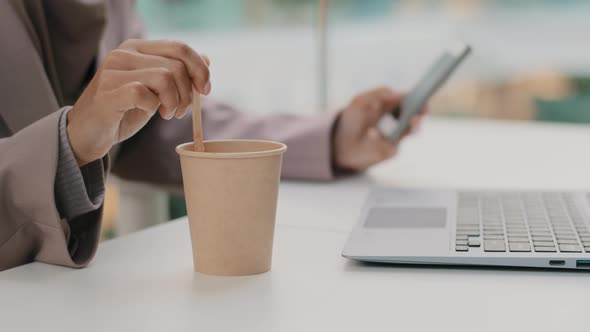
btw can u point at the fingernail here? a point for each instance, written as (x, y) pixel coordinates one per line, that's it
(207, 88)
(171, 115)
(180, 115)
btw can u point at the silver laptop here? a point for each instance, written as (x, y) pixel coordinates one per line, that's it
(515, 229)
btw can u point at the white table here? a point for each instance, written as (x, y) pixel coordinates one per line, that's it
(144, 281)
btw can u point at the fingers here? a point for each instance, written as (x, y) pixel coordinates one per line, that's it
(206, 58)
(128, 60)
(414, 125)
(133, 95)
(382, 147)
(387, 98)
(377, 102)
(160, 81)
(197, 66)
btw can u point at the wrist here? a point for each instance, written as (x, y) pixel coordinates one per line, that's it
(333, 142)
(71, 131)
(337, 150)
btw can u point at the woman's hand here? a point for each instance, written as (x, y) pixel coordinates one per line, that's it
(358, 143)
(135, 81)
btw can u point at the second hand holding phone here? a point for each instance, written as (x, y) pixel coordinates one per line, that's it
(414, 102)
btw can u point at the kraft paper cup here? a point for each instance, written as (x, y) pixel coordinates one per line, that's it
(231, 196)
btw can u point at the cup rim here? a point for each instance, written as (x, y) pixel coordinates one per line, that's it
(181, 150)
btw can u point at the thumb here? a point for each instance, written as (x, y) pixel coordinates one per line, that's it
(383, 147)
(374, 135)
(389, 100)
(385, 101)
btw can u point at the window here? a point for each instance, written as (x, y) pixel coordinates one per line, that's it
(530, 59)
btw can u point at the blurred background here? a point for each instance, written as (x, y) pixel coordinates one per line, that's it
(531, 62)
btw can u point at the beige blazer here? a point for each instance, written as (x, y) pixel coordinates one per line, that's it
(30, 95)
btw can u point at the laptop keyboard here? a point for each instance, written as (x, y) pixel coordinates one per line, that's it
(521, 222)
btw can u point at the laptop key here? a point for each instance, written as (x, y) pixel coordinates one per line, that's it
(461, 237)
(518, 234)
(519, 247)
(494, 246)
(468, 232)
(474, 242)
(542, 238)
(493, 237)
(496, 232)
(512, 239)
(461, 242)
(499, 225)
(538, 225)
(564, 233)
(461, 248)
(520, 224)
(544, 243)
(567, 241)
(540, 233)
(545, 249)
(539, 228)
(561, 229)
(566, 236)
(570, 248)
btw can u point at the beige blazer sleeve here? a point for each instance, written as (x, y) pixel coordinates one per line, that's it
(30, 226)
(150, 156)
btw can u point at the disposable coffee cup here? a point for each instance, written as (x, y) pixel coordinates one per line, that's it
(231, 195)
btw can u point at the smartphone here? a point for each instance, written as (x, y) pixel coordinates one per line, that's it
(415, 101)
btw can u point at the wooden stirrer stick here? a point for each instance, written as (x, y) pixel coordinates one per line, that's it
(197, 126)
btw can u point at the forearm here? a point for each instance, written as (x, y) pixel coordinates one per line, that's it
(78, 190)
(150, 156)
(308, 138)
(79, 196)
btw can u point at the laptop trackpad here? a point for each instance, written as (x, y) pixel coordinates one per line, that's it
(406, 217)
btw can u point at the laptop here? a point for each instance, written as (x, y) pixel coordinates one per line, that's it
(473, 228)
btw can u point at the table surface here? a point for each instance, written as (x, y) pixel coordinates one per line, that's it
(144, 281)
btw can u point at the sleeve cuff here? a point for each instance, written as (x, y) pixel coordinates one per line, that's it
(78, 190)
(309, 152)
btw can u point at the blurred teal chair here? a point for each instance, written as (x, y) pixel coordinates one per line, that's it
(571, 110)
(582, 85)
(177, 207)
(575, 109)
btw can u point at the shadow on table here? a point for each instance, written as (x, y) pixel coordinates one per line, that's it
(216, 285)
